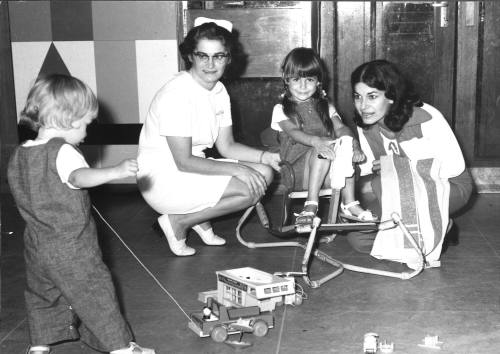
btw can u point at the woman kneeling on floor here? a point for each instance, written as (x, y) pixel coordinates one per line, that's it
(392, 119)
(190, 113)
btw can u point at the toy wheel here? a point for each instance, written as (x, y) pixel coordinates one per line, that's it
(260, 328)
(218, 334)
(298, 299)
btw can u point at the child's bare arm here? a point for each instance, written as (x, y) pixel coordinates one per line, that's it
(340, 128)
(306, 139)
(92, 177)
(343, 130)
(323, 145)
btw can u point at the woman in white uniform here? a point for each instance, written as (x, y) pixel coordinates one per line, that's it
(190, 113)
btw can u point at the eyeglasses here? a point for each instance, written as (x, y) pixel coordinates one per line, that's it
(218, 58)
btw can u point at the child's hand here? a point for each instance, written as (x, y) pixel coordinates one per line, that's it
(272, 159)
(127, 168)
(324, 147)
(358, 155)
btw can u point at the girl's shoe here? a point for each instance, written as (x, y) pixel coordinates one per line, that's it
(306, 217)
(178, 247)
(38, 349)
(208, 236)
(364, 216)
(134, 348)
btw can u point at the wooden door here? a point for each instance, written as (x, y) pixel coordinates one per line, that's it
(478, 84)
(478, 90)
(266, 32)
(417, 35)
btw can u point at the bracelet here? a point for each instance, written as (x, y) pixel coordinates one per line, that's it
(261, 156)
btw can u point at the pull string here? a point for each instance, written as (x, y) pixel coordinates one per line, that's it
(142, 264)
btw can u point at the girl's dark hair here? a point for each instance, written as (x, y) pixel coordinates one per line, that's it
(304, 62)
(209, 31)
(385, 76)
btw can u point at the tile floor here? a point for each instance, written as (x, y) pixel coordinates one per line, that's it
(460, 301)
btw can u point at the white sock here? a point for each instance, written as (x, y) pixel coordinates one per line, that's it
(127, 350)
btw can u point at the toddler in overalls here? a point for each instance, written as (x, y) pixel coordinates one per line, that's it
(70, 294)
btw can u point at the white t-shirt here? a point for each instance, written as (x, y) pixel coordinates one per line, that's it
(68, 160)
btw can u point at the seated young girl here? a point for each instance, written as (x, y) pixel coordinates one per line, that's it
(308, 125)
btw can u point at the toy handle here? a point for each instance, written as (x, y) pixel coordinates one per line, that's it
(261, 212)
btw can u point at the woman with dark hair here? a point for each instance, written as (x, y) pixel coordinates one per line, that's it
(190, 113)
(392, 119)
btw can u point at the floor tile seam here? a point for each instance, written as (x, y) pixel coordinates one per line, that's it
(466, 257)
(484, 237)
(120, 257)
(345, 312)
(281, 330)
(2, 340)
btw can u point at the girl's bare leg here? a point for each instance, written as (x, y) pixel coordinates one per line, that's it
(349, 196)
(318, 169)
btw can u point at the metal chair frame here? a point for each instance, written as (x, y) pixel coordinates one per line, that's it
(311, 246)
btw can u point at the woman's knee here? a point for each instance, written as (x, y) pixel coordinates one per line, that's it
(240, 190)
(247, 198)
(461, 190)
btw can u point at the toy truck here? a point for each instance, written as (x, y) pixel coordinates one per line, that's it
(243, 287)
(219, 321)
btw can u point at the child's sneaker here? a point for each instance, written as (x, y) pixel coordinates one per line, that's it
(134, 349)
(38, 349)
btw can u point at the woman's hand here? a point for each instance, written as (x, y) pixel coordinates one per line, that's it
(376, 166)
(253, 179)
(272, 159)
(324, 146)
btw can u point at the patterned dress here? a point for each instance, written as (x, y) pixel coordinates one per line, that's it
(297, 154)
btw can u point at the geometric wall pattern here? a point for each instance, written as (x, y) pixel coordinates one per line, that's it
(124, 50)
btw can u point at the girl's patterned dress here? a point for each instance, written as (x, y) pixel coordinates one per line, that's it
(297, 154)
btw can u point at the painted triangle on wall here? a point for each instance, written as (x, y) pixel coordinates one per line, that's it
(53, 63)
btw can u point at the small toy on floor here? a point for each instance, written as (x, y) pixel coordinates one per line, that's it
(431, 342)
(370, 343)
(386, 348)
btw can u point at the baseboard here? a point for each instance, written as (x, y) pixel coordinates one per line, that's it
(487, 179)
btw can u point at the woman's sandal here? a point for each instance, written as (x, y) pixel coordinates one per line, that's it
(364, 216)
(306, 217)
